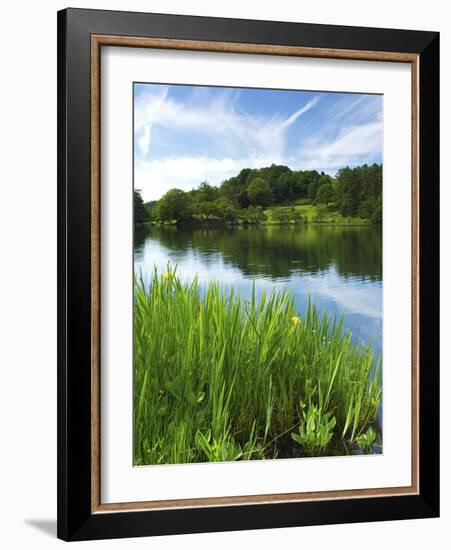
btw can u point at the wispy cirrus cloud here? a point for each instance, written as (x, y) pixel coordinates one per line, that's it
(351, 135)
(353, 145)
(217, 116)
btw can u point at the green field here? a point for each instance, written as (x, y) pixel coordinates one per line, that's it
(310, 213)
(218, 378)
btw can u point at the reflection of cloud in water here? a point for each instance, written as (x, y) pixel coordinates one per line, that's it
(365, 299)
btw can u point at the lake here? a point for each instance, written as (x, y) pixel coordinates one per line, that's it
(338, 267)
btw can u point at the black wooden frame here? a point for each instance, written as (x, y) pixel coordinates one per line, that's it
(75, 520)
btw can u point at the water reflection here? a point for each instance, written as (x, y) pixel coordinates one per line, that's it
(339, 267)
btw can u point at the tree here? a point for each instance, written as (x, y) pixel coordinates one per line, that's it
(323, 179)
(325, 194)
(271, 174)
(313, 188)
(366, 208)
(295, 215)
(207, 192)
(321, 215)
(243, 199)
(358, 190)
(253, 215)
(204, 209)
(174, 205)
(140, 212)
(259, 192)
(304, 180)
(281, 215)
(234, 186)
(349, 186)
(283, 187)
(376, 216)
(225, 209)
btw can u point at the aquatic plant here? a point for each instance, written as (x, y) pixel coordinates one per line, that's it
(220, 378)
(315, 429)
(366, 440)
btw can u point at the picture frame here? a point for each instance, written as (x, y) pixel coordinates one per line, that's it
(81, 36)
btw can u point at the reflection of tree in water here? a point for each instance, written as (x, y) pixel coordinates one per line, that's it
(279, 251)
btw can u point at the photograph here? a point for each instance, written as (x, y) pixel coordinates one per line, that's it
(257, 273)
(248, 272)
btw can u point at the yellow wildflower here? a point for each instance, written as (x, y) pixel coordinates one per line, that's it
(295, 320)
(167, 275)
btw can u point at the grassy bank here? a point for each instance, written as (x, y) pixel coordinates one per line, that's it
(310, 213)
(218, 378)
(286, 214)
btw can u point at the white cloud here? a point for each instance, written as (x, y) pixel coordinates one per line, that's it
(147, 111)
(363, 106)
(353, 144)
(143, 138)
(218, 119)
(355, 141)
(292, 119)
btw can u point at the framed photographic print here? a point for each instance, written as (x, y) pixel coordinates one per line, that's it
(248, 274)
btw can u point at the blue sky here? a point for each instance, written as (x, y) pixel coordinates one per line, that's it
(188, 134)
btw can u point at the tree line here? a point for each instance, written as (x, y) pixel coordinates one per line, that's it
(354, 192)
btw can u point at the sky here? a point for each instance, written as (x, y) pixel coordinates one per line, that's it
(184, 135)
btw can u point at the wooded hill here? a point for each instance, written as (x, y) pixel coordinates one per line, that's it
(353, 192)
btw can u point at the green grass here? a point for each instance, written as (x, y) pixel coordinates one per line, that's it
(311, 213)
(219, 378)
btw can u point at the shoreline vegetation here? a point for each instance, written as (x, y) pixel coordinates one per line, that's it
(274, 195)
(219, 378)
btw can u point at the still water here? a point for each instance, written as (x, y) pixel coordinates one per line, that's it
(338, 267)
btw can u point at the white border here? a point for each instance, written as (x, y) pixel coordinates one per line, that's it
(120, 481)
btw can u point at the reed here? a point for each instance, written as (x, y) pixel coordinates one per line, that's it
(220, 378)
